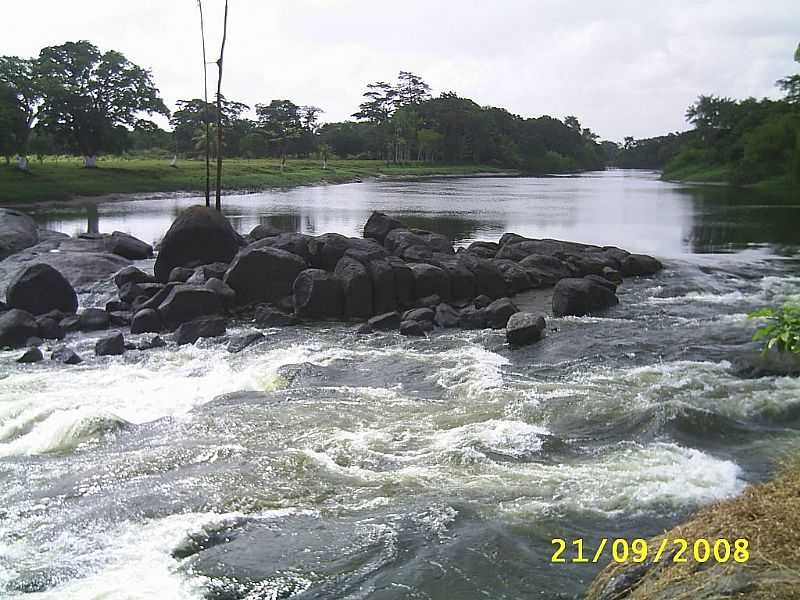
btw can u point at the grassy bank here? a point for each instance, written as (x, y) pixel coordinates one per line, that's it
(66, 178)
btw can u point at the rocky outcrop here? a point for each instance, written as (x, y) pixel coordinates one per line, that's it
(39, 288)
(198, 236)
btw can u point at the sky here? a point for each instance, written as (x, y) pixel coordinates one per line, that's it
(622, 67)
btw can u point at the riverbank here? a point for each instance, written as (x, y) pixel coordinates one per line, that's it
(65, 179)
(723, 175)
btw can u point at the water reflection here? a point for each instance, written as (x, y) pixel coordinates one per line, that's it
(632, 209)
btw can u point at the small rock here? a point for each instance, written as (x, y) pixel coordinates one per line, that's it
(120, 318)
(221, 289)
(524, 328)
(116, 306)
(16, 326)
(203, 327)
(112, 345)
(385, 322)
(412, 328)
(612, 275)
(65, 355)
(473, 318)
(70, 323)
(31, 355)
(419, 314)
(240, 342)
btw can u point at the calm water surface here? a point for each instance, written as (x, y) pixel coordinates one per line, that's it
(322, 464)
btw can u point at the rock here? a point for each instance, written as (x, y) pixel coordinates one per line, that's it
(112, 345)
(186, 303)
(482, 301)
(602, 281)
(16, 326)
(419, 314)
(546, 269)
(142, 302)
(473, 318)
(198, 277)
(409, 245)
(579, 297)
(70, 323)
(265, 230)
(385, 322)
(93, 319)
(356, 287)
(34, 341)
(120, 318)
(431, 301)
(198, 236)
(263, 274)
(66, 355)
(154, 342)
(127, 246)
(130, 291)
(240, 342)
(116, 306)
(612, 275)
(146, 320)
(499, 312)
(379, 225)
(524, 328)
(461, 279)
(214, 270)
(403, 282)
(516, 278)
(39, 288)
(266, 317)
(446, 316)
(49, 328)
(384, 294)
(132, 274)
(202, 327)
(489, 280)
(180, 274)
(17, 232)
(31, 355)
(412, 328)
(223, 290)
(295, 243)
(484, 249)
(317, 294)
(430, 280)
(640, 264)
(364, 329)
(519, 248)
(327, 249)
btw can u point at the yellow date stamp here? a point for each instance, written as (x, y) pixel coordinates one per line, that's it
(639, 550)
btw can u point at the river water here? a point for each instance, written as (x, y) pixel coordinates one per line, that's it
(322, 464)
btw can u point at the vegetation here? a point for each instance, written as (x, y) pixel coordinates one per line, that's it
(782, 328)
(61, 178)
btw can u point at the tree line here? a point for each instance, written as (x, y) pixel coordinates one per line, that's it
(75, 99)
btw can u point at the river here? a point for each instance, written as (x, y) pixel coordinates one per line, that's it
(323, 464)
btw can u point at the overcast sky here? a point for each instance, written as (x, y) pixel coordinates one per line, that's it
(622, 67)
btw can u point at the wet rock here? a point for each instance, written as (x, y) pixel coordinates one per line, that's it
(412, 328)
(117, 306)
(198, 277)
(263, 274)
(460, 278)
(482, 301)
(17, 232)
(429, 302)
(31, 355)
(639, 264)
(473, 318)
(489, 281)
(154, 342)
(93, 319)
(265, 230)
(403, 282)
(120, 318)
(180, 274)
(266, 317)
(524, 328)
(214, 270)
(146, 320)
(70, 323)
(132, 274)
(517, 278)
(356, 286)
(49, 328)
(111, 345)
(66, 355)
(384, 294)
(599, 280)
(118, 242)
(545, 268)
(130, 291)
(499, 312)
(446, 316)
(579, 297)
(484, 249)
(240, 342)
(39, 288)
(203, 327)
(379, 225)
(430, 280)
(16, 326)
(419, 314)
(326, 250)
(142, 302)
(223, 290)
(186, 303)
(385, 322)
(317, 294)
(198, 236)
(364, 329)
(612, 275)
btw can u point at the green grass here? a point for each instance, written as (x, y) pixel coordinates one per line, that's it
(699, 174)
(65, 178)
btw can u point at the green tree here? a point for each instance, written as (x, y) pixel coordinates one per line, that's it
(89, 96)
(281, 122)
(22, 100)
(195, 114)
(791, 83)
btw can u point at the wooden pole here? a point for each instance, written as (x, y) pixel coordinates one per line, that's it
(218, 203)
(205, 107)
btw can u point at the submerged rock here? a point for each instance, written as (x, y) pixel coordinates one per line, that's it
(66, 355)
(39, 288)
(240, 342)
(31, 355)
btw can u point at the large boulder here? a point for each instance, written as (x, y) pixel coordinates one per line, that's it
(356, 287)
(185, 303)
(263, 274)
(579, 297)
(385, 322)
(379, 225)
(202, 327)
(484, 249)
(499, 312)
(640, 264)
(296, 243)
(384, 292)
(146, 320)
(461, 279)
(317, 294)
(39, 288)
(430, 280)
(546, 269)
(199, 235)
(16, 326)
(403, 282)
(17, 232)
(524, 328)
(326, 250)
(489, 279)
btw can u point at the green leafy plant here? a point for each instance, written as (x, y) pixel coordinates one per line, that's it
(782, 328)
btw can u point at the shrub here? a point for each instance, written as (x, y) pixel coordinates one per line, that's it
(782, 328)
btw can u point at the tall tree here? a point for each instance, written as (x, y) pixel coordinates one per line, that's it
(89, 97)
(22, 96)
(282, 123)
(791, 83)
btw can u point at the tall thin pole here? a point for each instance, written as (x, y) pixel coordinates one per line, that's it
(218, 204)
(205, 108)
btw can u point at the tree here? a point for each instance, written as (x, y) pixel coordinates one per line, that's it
(195, 114)
(22, 100)
(281, 123)
(411, 89)
(379, 104)
(89, 95)
(791, 84)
